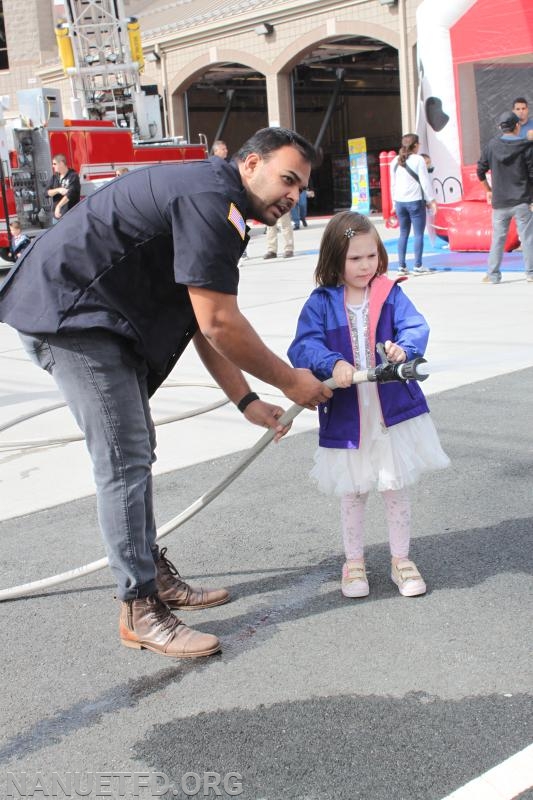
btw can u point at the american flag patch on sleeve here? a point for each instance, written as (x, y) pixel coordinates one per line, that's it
(235, 217)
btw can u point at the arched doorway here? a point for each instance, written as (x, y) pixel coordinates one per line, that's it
(341, 88)
(228, 101)
(346, 88)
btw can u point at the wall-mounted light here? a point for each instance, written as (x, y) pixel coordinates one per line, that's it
(387, 2)
(152, 55)
(264, 29)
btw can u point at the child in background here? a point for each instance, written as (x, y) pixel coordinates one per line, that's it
(429, 166)
(19, 241)
(371, 435)
(430, 211)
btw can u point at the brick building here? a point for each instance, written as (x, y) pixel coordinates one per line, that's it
(332, 69)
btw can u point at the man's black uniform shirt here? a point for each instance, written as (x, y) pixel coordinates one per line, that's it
(123, 258)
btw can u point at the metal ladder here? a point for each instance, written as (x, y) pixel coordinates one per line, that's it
(105, 77)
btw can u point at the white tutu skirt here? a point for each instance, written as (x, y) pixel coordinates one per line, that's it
(388, 458)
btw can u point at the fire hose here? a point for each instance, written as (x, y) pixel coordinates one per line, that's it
(29, 443)
(417, 370)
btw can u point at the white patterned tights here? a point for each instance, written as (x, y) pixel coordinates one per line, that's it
(398, 513)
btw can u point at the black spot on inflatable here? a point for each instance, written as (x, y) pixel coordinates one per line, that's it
(435, 115)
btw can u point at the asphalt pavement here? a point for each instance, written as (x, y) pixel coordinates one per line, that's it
(313, 697)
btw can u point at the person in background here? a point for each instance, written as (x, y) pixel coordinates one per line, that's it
(121, 171)
(429, 166)
(411, 193)
(521, 109)
(220, 149)
(63, 188)
(509, 159)
(287, 235)
(430, 216)
(299, 212)
(371, 435)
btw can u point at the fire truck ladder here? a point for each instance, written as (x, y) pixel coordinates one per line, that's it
(101, 51)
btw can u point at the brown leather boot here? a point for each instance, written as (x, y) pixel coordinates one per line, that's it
(148, 623)
(175, 593)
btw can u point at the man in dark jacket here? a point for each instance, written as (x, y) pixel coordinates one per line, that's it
(510, 161)
(108, 300)
(64, 187)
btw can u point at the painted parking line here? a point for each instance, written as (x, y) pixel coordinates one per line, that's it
(504, 782)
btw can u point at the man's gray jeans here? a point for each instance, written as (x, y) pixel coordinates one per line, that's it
(103, 383)
(501, 219)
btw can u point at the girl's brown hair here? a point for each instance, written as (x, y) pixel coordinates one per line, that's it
(409, 142)
(334, 245)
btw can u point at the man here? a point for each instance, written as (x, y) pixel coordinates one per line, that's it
(107, 302)
(299, 211)
(64, 187)
(220, 149)
(287, 235)
(521, 109)
(510, 161)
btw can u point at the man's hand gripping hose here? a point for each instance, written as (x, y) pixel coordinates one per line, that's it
(416, 370)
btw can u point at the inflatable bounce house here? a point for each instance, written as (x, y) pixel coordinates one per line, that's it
(474, 58)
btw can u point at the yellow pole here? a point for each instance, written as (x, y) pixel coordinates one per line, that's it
(134, 36)
(64, 45)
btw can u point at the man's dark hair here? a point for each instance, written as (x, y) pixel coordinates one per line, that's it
(520, 100)
(268, 140)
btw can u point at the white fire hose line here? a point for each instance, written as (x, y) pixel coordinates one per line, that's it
(25, 589)
(30, 443)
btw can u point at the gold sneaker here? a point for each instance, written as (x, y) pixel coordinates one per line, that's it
(354, 582)
(407, 578)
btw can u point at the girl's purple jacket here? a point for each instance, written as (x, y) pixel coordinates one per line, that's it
(323, 338)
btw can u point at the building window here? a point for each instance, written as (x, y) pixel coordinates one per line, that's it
(4, 61)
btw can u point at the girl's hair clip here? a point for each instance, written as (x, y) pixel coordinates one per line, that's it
(349, 233)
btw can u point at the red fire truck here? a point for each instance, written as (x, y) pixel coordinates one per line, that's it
(94, 148)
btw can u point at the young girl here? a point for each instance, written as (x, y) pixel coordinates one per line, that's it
(372, 435)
